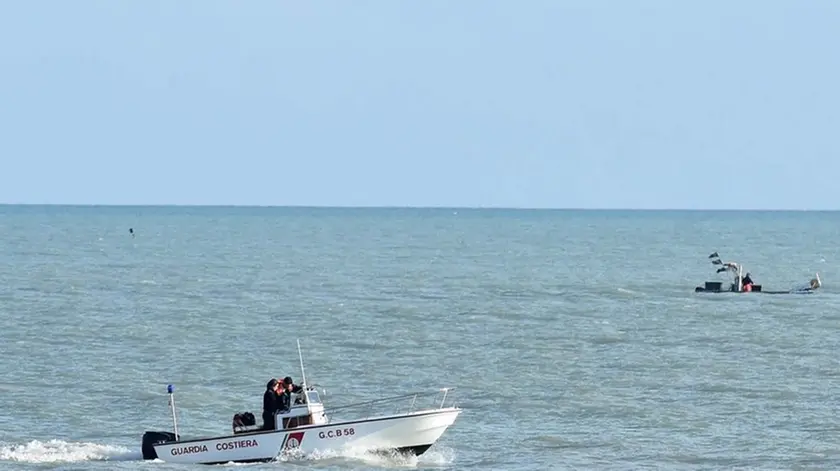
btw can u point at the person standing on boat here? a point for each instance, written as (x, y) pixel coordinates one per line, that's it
(271, 403)
(746, 283)
(284, 399)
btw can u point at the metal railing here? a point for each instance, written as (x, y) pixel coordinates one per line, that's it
(402, 404)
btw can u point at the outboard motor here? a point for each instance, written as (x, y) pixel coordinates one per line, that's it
(153, 438)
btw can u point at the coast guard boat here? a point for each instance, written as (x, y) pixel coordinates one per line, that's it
(744, 283)
(306, 428)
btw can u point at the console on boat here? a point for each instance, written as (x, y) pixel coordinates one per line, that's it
(306, 409)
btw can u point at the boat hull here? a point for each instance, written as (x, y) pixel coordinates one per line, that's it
(717, 287)
(414, 433)
(701, 289)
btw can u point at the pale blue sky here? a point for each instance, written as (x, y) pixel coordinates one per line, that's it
(644, 104)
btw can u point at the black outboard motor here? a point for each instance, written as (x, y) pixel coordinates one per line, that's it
(153, 438)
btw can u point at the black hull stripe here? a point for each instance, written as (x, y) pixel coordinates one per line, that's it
(701, 290)
(306, 428)
(414, 450)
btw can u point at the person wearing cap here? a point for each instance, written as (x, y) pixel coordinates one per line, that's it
(284, 397)
(271, 403)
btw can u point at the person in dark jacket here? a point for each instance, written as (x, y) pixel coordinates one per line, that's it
(271, 401)
(747, 280)
(284, 398)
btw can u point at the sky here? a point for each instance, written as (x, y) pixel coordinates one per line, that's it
(539, 104)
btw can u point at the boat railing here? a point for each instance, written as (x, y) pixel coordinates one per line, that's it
(402, 404)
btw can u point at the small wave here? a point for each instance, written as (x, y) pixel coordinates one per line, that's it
(607, 339)
(552, 442)
(628, 291)
(53, 451)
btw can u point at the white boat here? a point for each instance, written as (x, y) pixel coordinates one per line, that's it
(306, 428)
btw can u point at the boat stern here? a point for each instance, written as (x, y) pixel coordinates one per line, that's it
(153, 438)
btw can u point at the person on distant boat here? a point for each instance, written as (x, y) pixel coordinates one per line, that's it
(284, 398)
(271, 402)
(747, 280)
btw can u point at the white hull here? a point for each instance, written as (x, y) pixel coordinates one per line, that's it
(413, 432)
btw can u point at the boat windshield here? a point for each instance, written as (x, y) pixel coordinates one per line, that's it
(312, 397)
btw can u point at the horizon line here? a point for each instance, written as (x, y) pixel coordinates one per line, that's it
(423, 207)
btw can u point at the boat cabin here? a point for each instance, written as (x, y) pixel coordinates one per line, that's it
(306, 409)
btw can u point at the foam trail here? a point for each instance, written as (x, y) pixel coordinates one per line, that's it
(53, 451)
(432, 458)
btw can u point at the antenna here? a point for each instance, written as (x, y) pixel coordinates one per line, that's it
(302, 373)
(303, 379)
(171, 390)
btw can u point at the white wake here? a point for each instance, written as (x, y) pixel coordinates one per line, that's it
(56, 451)
(437, 456)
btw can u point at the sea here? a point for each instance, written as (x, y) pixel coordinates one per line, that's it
(573, 339)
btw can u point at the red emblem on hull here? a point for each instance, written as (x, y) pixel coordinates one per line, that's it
(292, 440)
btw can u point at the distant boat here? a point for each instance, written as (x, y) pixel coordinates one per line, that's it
(745, 284)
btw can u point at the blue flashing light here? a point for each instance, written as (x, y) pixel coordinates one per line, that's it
(170, 389)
